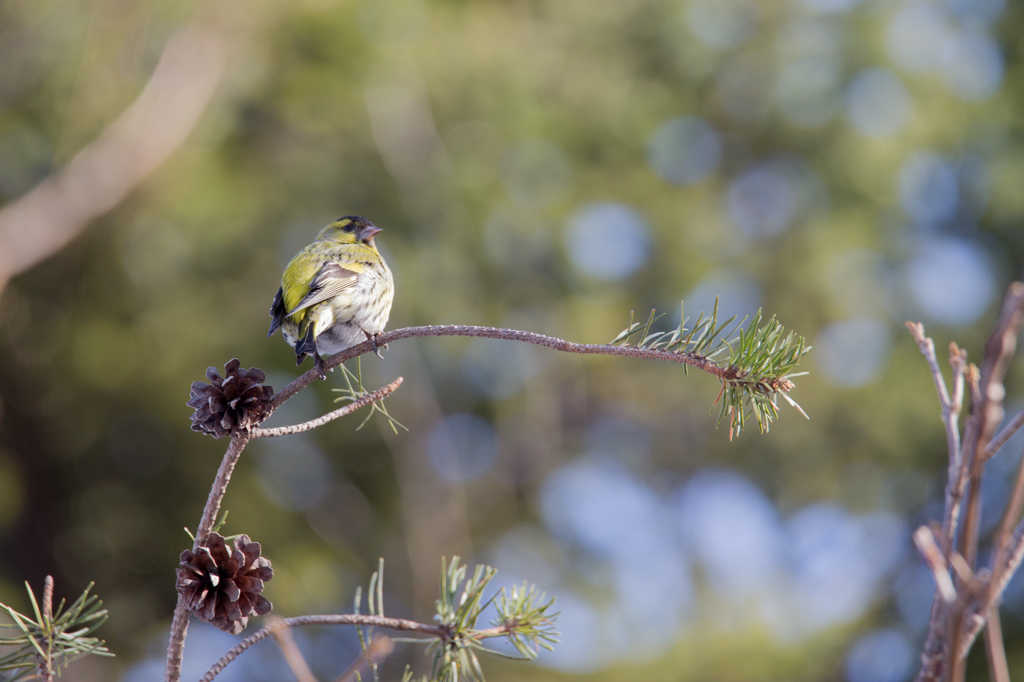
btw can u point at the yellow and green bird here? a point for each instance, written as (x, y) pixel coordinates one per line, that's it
(335, 293)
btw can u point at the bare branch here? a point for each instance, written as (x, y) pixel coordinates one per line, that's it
(999, 349)
(344, 619)
(996, 586)
(986, 414)
(934, 655)
(1004, 435)
(367, 399)
(102, 174)
(998, 670)
(925, 542)
(987, 406)
(950, 418)
(927, 347)
(1004, 533)
(958, 361)
(953, 629)
(964, 572)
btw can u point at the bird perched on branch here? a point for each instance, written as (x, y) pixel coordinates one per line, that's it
(335, 293)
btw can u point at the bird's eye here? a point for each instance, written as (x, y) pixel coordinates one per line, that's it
(349, 227)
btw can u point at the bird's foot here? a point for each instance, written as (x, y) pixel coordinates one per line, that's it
(372, 338)
(318, 364)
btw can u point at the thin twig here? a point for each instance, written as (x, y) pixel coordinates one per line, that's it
(998, 670)
(48, 599)
(964, 573)
(934, 654)
(1001, 541)
(296, 661)
(1005, 434)
(372, 397)
(987, 411)
(343, 619)
(692, 359)
(925, 542)
(47, 623)
(996, 586)
(950, 418)
(1004, 533)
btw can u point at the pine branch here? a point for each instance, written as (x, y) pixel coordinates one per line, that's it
(756, 371)
(54, 638)
(524, 618)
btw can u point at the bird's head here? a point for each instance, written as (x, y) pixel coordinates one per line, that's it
(349, 230)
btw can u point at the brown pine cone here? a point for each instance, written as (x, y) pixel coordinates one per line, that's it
(237, 402)
(223, 587)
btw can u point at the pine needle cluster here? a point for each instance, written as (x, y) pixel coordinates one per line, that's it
(354, 390)
(54, 638)
(524, 617)
(755, 363)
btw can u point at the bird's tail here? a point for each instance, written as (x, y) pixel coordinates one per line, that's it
(277, 312)
(306, 345)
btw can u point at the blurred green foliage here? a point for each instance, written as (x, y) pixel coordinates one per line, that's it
(475, 133)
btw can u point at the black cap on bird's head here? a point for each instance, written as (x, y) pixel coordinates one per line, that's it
(349, 230)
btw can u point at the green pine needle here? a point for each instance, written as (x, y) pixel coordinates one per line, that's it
(51, 641)
(525, 618)
(355, 390)
(757, 369)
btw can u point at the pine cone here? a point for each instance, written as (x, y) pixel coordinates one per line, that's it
(239, 401)
(223, 587)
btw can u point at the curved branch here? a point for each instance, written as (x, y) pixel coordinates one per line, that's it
(729, 375)
(694, 360)
(344, 619)
(102, 174)
(371, 397)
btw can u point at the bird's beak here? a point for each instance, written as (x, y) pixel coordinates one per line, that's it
(369, 232)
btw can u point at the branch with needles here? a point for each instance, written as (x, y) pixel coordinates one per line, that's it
(754, 365)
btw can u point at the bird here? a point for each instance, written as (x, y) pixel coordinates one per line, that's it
(334, 293)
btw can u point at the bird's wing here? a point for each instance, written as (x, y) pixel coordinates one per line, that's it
(331, 281)
(276, 312)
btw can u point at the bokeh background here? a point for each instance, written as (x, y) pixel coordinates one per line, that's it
(546, 165)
